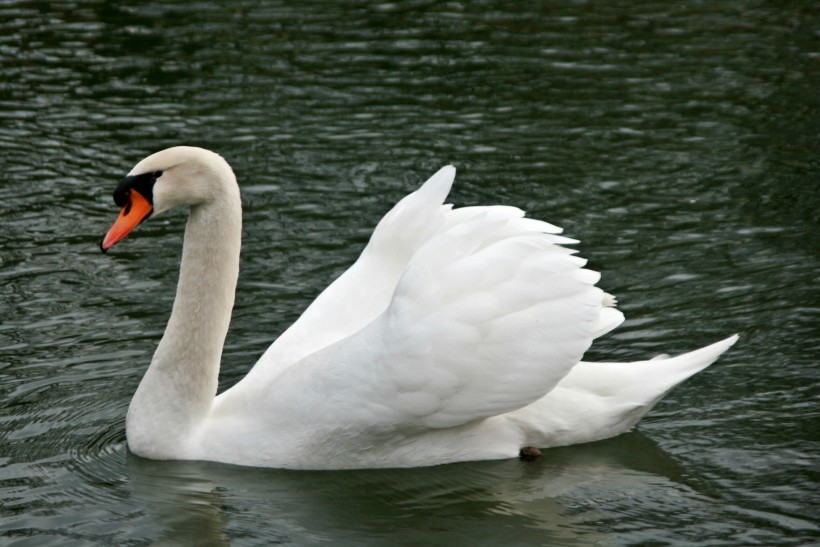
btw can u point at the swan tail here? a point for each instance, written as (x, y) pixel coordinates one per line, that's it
(600, 400)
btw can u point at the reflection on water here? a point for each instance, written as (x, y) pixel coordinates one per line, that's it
(182, 499)
(546, 502)
(677, 141)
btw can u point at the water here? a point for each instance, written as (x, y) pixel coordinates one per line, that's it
(679, 142)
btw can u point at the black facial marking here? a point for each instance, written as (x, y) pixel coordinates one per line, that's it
(144, 184)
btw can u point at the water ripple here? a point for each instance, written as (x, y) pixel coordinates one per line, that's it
(677, 141)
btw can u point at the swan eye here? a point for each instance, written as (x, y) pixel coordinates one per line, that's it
(143, 184)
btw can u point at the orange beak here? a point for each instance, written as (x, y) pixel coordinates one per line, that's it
(135, 211)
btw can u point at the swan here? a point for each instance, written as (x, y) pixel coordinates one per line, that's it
(456, 335)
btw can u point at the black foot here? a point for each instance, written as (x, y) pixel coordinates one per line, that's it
(529, 453)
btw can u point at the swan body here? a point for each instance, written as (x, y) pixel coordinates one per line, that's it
(457, 335)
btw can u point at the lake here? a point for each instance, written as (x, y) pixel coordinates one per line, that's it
(677, 141)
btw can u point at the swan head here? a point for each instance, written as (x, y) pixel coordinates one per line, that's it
(182, 175)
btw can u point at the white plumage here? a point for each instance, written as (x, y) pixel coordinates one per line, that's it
(457, 335)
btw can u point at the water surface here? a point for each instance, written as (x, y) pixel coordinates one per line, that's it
(678, 142)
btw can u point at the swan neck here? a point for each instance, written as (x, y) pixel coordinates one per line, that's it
(178, 389)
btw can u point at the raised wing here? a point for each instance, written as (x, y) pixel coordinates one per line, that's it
(360, 294)
(488, 316)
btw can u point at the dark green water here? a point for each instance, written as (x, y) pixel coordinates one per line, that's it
(678, 141)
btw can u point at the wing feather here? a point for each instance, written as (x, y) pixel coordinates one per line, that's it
(362, 292)
(489, 315)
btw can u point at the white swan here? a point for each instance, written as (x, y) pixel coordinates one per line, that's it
(457, 335)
